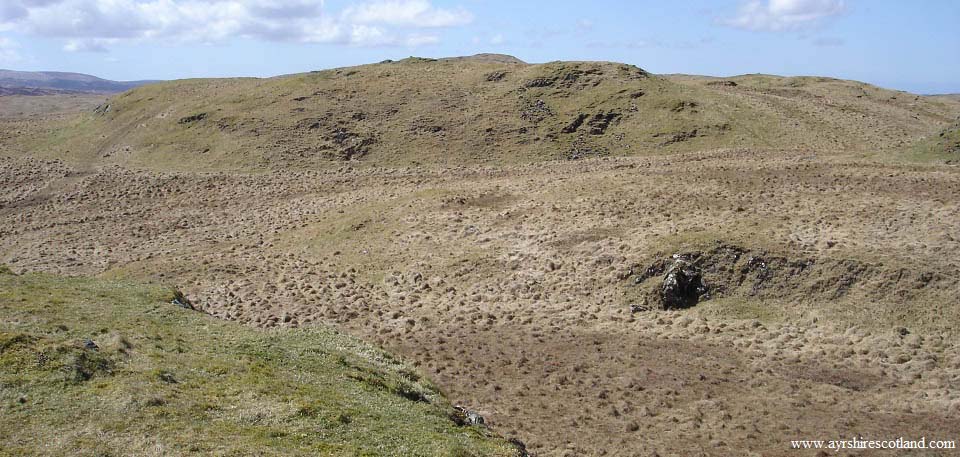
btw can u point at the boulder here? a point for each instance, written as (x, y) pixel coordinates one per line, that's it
(682, 286)
(181, 300)
(89, 345)
(465, 416)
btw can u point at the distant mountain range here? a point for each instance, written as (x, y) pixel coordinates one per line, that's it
(53, 82)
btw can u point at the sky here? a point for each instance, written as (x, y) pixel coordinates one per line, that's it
(906, 45)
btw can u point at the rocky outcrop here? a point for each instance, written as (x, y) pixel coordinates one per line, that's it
(689, 277)
(682, 285)
(192, 118)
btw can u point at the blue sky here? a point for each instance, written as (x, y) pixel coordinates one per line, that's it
(899, 44)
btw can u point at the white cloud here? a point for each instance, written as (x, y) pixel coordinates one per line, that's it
(782, 15)
(92, 25)
(498, 39)
(417, 40)
(8, 51)
(630, 44)
(408, 13)
(86, 46)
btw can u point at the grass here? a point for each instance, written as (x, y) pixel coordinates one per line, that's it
(163, 380)
(943, 147)
(21, 106)
(449, 113)
(768, 311)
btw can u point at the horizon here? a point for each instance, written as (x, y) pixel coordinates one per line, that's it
(183, 39)
(453, 57)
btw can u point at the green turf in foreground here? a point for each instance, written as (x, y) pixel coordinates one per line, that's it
(170, 381)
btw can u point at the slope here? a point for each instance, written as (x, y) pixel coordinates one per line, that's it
(111, 368)
(480, 110)
(65, 82)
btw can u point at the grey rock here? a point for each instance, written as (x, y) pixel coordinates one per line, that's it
(682, 286)
(89, 345)
(181, 300)
(468, 417)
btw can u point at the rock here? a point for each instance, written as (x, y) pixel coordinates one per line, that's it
(684, 105)
(521, 447)
(181, 300)
(495, 76)
(723, 83)
(682, 285)
(167, 377)
(474, 418)
(677, 137)
(192, 118)
(575, 123)
(468, 417)
(599, 122)
(536, 111)
(89, 345)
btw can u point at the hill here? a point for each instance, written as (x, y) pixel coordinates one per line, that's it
(634, 283)
(40, 108)
(114, 368)
(482, 109)
(32, 91)
(955, 97)
(944, 146)
(52, 82)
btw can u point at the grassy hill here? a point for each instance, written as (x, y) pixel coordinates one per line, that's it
(18, 107)
(483, 109)
(89, 367)
(944, 146)
(63, 82)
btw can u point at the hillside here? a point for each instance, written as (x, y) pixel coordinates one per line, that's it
(954, 97)
(485, 109)
(530, 293)
(598, 260)
(941, 147)
(51, 82)
(94, 367)
(32, 91)
(31, 109)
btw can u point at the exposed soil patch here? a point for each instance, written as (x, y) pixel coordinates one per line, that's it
(728, 270)
(724, 83)
(679, 137)
(599, 122)
(187, 120)
(575, 123)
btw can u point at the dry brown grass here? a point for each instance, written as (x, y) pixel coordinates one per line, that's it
(508, 277)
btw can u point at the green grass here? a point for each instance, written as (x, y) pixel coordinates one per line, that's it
(939, 148)
(171, 381)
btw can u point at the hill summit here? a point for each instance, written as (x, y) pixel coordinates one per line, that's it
(486, 108)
